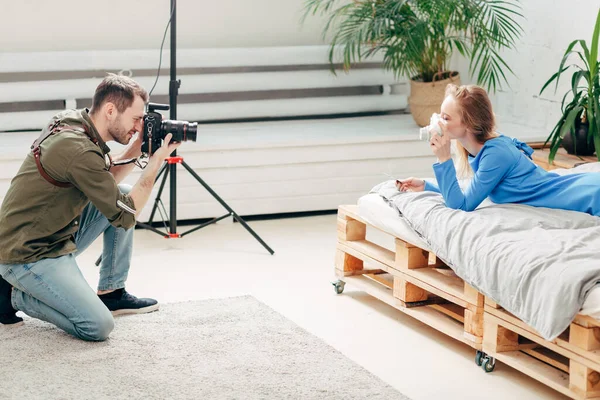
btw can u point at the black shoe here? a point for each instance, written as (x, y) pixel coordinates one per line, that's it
(5, 292)
(11, 319)
(120, 302)
(8, 315)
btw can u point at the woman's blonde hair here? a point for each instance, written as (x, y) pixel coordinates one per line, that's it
(476, 113)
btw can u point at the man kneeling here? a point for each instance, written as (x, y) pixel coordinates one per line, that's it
(64, 196)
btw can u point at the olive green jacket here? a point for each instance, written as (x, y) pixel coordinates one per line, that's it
(38, 219)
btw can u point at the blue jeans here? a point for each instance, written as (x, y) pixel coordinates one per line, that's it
(54, 289)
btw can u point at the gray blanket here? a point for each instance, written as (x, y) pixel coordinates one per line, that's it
(537, 263)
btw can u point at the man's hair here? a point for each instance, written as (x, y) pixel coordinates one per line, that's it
(119, 90)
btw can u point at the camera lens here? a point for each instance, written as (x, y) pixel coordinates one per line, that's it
(424, 134)
(182, 130)
(192, 129)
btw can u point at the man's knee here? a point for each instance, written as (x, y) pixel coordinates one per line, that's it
(97, 328)
(125, 188)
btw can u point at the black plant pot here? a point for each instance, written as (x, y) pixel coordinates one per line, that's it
(580, 146)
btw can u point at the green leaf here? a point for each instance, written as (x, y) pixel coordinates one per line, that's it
(596, 118)
(593, 114)
(593, 59)
(575, 81)
(586, 51)
(562, 103)
(553, 77)
(552, 134)
(569, 124)
(555, 141)
(585, 61)
(564, 59)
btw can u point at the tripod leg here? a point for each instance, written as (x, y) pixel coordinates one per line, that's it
(245, 225)
(216, 196)
(164, 170)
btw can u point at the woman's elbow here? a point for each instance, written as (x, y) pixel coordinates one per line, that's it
(455, 205)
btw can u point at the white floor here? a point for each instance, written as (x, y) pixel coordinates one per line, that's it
(224, 260)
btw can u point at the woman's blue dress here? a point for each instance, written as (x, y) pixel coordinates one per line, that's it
(507, 175)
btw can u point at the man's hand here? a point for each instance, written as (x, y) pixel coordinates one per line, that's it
(440, 145)
(166, 149)
(132, 150)
(411, 184)
(141, 190)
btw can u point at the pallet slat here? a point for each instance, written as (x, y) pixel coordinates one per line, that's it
(549, 376)
(426, 314)
(560, 345)
(381, 263)
(549, 357)
(372, 250)
(448, 287)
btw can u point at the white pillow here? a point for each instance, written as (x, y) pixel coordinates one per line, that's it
(588, 167)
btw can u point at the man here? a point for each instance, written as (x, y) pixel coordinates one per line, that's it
(64, 196)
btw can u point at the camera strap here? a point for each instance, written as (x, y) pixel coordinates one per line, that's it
(137, 161)
(55, 127)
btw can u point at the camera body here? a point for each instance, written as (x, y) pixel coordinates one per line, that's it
(155, 129)
(426, 133)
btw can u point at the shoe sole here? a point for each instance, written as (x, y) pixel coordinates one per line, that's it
(16, 324)
(143, 310)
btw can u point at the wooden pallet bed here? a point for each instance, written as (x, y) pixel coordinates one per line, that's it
(414, 281)
(409, 279)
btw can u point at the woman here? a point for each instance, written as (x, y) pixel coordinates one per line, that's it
(500, 169)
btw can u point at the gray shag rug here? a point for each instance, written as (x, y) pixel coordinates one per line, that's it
(233, 348)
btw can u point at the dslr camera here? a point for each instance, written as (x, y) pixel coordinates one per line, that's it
(155, 129)
(433, 128)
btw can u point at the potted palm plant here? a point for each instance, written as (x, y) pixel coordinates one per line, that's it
(418, 37)
(581, 115)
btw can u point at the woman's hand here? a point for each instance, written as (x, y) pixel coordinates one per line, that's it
(441, 144)
(411, 184)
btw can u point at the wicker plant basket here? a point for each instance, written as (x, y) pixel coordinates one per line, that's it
(427, 97)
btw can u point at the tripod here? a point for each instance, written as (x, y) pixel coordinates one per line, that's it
(169, 169)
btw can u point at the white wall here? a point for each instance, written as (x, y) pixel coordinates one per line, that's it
(34, 25)
(37, 25)
(549, 27)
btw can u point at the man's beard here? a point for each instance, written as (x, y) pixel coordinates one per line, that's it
(118, 133)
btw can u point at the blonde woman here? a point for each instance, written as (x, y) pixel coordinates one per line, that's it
(500, 165)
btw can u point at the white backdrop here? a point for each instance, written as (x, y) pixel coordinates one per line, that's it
(37, 25)
(34, 25)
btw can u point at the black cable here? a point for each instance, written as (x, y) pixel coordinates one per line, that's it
(161, 47)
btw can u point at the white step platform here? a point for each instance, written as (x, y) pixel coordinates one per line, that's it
(281, 166)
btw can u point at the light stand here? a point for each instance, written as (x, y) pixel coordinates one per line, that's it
(170, 167)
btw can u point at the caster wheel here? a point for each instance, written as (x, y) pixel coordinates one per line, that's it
(339, 286)
(479, 358)
(489, 363)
